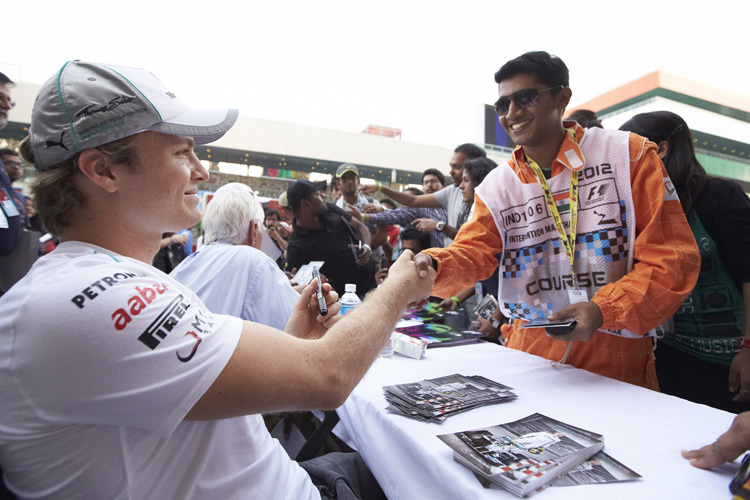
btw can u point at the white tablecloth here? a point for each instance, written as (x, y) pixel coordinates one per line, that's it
(643, 429)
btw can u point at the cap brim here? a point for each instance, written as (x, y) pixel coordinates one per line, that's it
(347, 170)
(203, 125)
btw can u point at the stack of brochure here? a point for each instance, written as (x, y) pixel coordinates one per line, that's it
(601, 468)
(436, 399)
(526, 455)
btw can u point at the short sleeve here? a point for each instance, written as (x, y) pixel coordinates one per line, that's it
(443, 197)
(119, 347)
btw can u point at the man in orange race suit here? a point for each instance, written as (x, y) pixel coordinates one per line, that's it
(585, 224)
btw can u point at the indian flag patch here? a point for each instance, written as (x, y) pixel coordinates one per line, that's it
(670, 193)
(562, 201)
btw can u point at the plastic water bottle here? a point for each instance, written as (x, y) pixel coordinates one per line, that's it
(387, 351)
(349, 300)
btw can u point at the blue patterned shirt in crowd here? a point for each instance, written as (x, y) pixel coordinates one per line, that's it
(405, 215)
(240, 281)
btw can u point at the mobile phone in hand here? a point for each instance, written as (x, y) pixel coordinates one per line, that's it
(559, 327)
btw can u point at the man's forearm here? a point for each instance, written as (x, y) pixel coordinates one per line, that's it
(356, 340)
(471, 257)
(403, 198)
(402, 215)
(363, 230)
(282, 243)
(423, 200)
(450, 231)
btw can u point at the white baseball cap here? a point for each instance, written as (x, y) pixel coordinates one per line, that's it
(89, 104)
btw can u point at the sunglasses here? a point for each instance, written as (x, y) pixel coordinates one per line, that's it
(523, 98)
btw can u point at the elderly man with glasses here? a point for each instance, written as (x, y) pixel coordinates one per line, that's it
(587, 227)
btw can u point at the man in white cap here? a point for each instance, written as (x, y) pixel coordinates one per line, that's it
(347, 180)
(116, 381)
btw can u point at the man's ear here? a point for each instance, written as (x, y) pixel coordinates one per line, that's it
(255, 235)
(565, 95)
(95, 166)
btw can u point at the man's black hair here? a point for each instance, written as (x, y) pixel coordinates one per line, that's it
(271, 212)
(415, 191)
(437, 173)
(548, 69)
(4, 80)
(8, 152)
(471, 151)
(412, 233)
(388, 201)
(585, 118)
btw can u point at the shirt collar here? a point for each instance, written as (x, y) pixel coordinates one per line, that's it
(569, 156)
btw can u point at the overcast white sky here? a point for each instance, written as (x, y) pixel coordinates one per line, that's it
(423, 66)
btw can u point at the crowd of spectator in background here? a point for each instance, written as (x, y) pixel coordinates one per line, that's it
(244, 260)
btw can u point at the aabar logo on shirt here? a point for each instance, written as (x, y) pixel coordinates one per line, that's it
(137, 304)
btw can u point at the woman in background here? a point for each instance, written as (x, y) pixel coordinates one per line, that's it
(705, 358)
(475, 171)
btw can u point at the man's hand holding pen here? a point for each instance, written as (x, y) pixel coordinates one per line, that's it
(307, 320)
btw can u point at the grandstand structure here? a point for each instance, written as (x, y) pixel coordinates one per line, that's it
(267, 154)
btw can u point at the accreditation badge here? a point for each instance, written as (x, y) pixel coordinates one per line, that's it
(576, 295)
(9, 206)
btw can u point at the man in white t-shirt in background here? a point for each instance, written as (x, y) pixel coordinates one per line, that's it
(116, 381)
(449, 198)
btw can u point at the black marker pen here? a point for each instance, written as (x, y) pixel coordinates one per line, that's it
(319, 293)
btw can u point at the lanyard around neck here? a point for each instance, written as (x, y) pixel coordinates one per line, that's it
(568, 241)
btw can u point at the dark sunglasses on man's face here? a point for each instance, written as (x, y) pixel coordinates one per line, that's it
(524, 98)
